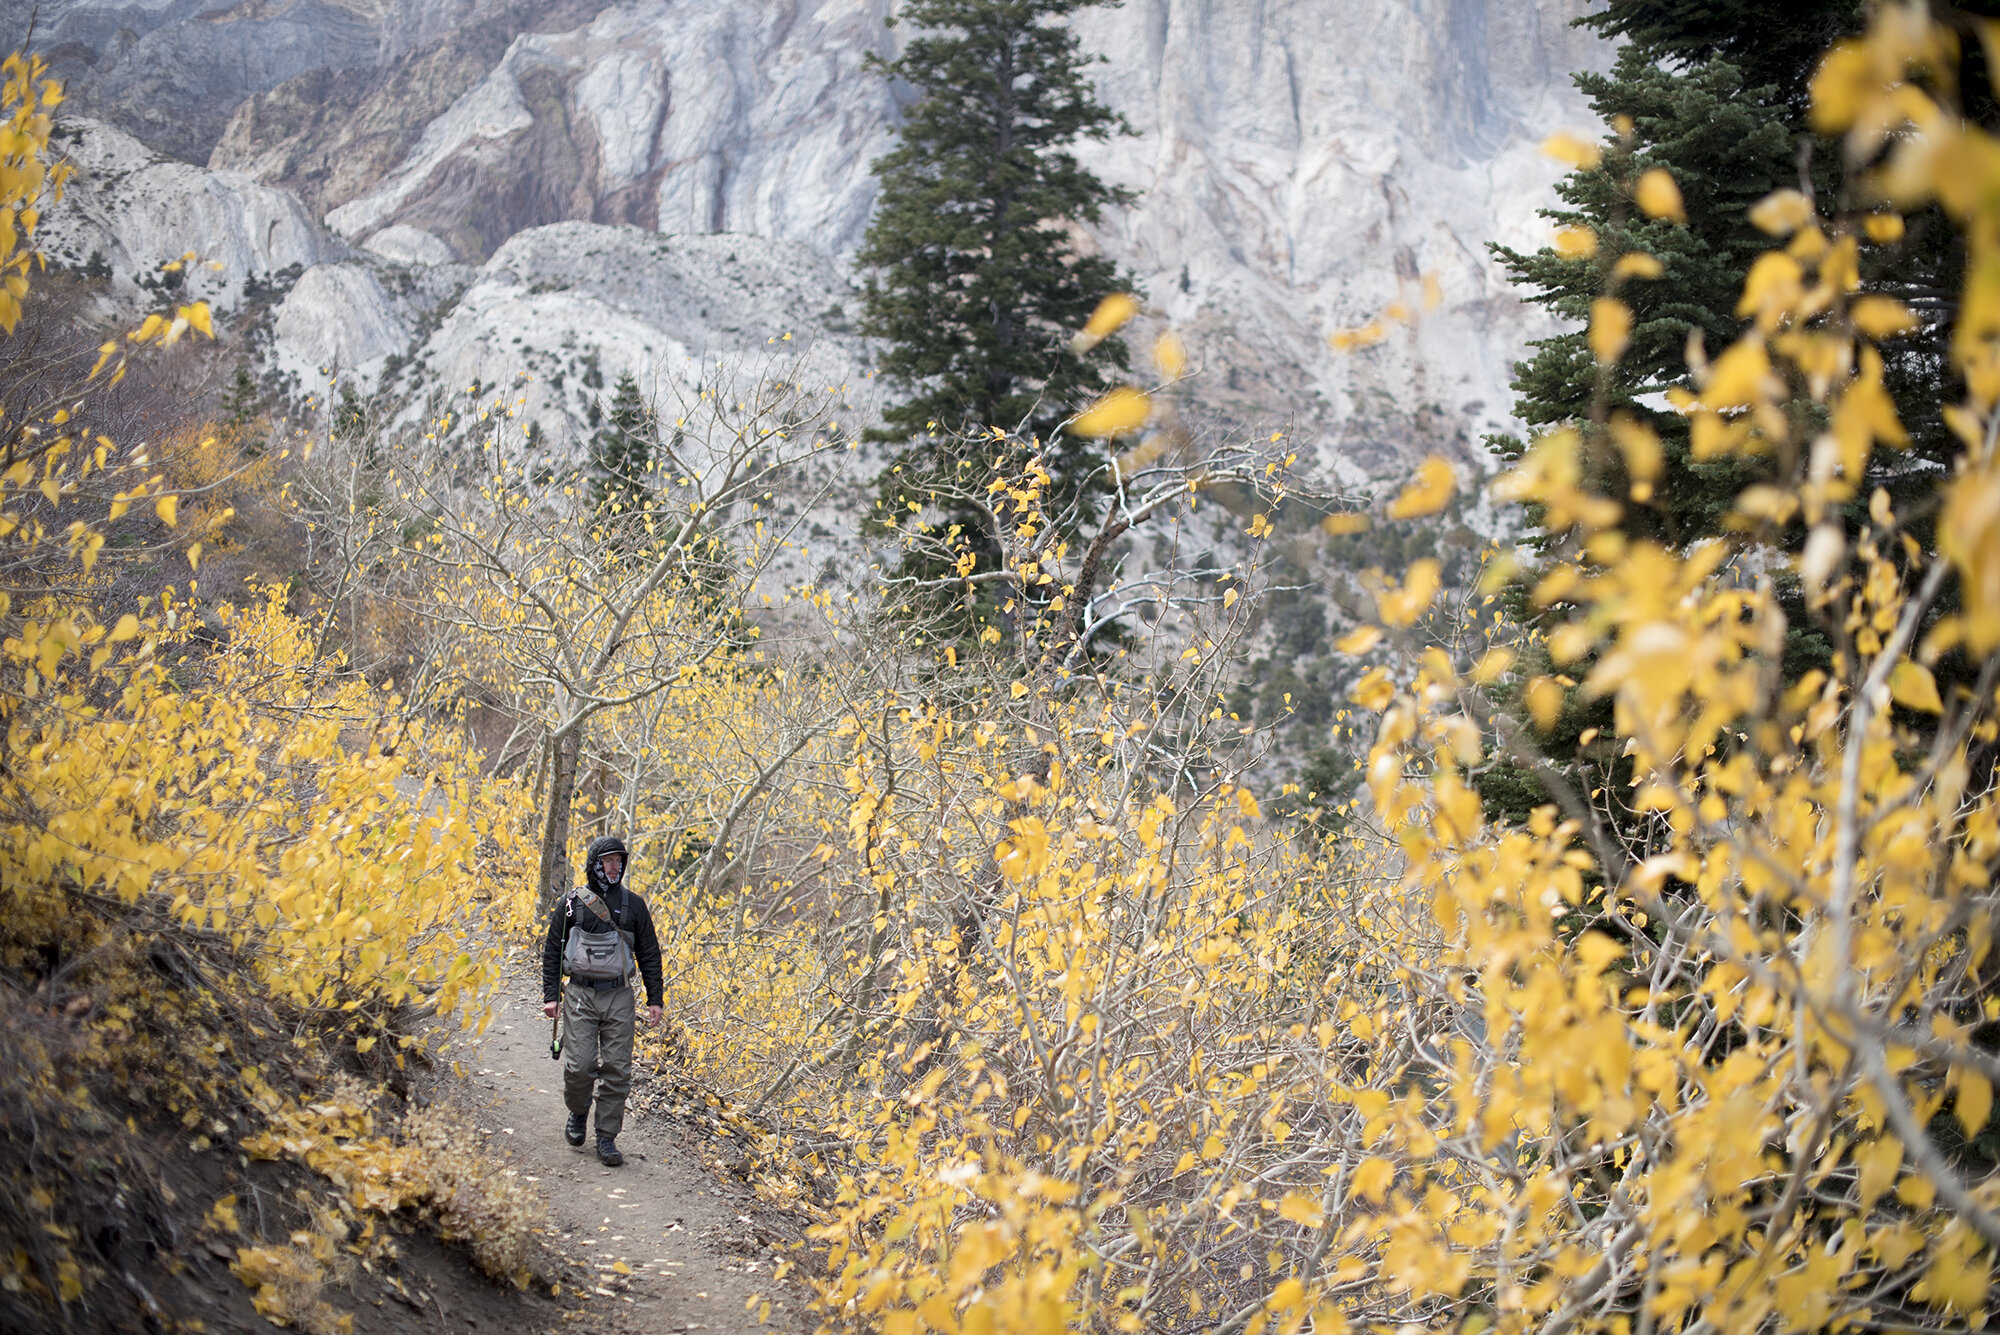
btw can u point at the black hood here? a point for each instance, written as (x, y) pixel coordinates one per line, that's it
(604, 843)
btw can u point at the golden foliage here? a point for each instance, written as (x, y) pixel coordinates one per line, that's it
(211, 827)
(1658, 196)
(1051, 1028)
(28, 181)
(1092, 1047)
(432, 1165)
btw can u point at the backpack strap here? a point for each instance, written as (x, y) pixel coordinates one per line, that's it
(589, 898)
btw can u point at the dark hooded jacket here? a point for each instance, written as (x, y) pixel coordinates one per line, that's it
(627, 908)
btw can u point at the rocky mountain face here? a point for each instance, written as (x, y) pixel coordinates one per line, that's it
(484, 188)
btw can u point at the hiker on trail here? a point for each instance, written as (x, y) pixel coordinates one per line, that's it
(597, 935)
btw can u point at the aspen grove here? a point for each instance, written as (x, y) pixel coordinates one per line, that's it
(984, 929)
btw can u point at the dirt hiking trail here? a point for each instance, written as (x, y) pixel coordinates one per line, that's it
(698, 1247)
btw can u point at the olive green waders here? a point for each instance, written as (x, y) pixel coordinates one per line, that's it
(597, 1049)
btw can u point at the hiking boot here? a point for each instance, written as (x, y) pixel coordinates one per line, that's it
(607, 1152)
(573, 1129)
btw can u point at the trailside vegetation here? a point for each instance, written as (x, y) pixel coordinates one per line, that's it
(236, 879)
(1100, 1049)
(994, 965)
(1711, 153)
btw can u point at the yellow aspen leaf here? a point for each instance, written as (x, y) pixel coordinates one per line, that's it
(1359, 640)
(1882, 317)
(1740, 376)
(1300, 1209)
(194, 556)
(1878, 1162)
(1372, 1178)
(1845, 78)
(1957, 1281)
(1229, 597)
(1329, 1319)
(1912, 686)
(1492, 665)
(197, 316)
(1348, 340)
(1644, 454)
(1883, 228)
(1969, 535)
(1781, 212)
(1428, 493)
(1401, 606)
(1119, 413)
(1338, 525)
(1570, 641)
(1610, 329)
(167, 508)
(620, 1268)
(1598, 951)
(1575, 242)
(222, 1215)
(1637, 264)
(1374, 690)
(1211, 1147)
(1822, 555)
(1566, 147)
(1170, 355)
(1109, 317)
(1658, 196)
(1975, 1101)
(1289, 1293)
(1545, 702)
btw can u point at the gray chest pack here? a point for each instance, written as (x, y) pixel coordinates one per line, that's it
(596, 957)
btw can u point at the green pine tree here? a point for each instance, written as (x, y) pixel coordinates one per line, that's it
(621, 453)
(240, 400)
(350, 414)
(1775, 44)
(976, 286)
(1727, 144)
(1717, 93)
